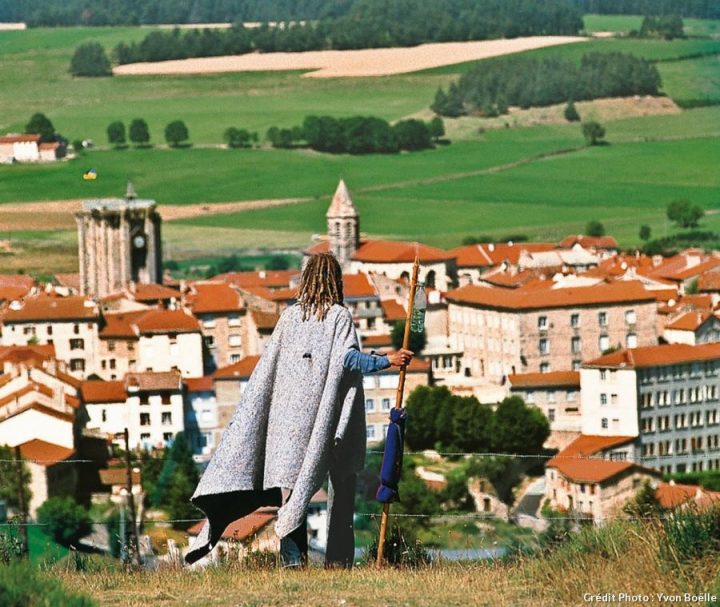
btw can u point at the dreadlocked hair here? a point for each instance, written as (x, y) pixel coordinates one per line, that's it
(321, 286)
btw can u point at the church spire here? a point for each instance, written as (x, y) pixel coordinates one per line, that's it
(343, 223)
(130, 191)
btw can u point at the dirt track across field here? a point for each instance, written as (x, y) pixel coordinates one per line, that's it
(58, 214)
(354, 63)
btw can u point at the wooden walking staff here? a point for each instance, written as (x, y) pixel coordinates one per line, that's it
(399, 400)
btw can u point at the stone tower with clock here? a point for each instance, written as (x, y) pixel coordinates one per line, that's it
(119, 244)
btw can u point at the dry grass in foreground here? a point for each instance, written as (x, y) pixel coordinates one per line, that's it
(622, 557)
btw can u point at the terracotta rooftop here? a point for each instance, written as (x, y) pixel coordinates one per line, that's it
(265, 321)
(154, 292)
(32, 355)
(576, 461)
(357, 286)
(545, 380)
(394, 251)
(153, 381)
(654, 356)
(46, 309)
(214, 298)
(70, 280)
(118, 476)
(514, 280)
(44, 453)
(709, 281)
(272, 279)
(589, 242)
(377, 341)
(28, 388)
(685, 265)
(121, 325)
(167, 321)
(689, 321)
(493, 254)
(240, 370)
(45, 410)
(392, 310)
(672, 495)
(244, 528)
(490, 297)
(199, 384)
(24, 138)
(98, 391)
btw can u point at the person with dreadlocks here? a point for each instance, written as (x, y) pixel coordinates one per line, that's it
(301, 419)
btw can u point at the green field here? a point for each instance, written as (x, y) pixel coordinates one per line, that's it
(622, 24)
(540, 180)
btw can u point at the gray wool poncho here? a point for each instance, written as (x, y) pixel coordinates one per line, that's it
(302, 415)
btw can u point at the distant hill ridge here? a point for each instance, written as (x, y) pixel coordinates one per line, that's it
(128, 12)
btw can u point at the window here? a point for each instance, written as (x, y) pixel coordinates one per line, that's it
(576, 364)
(571, 396)
(604, 423)
(544, 346)
(167, 437)
(112, 363)
(551, 415)
(166, 419)
(551, 396)
(165, 398)
(370, 431)
(111, 345)
(544, 367)
(369, 405)
(575, 320)
(103, 415)
(603, 399)
(131, 346)
(234, 320)
(386, 404)
(235, 340)
(144, 399)
(613, 399)
(77, 344)
(145, 437)
(602, 319)
(631, 340)
(542, 323)
(575, 345)
(604, 343)
(77, 364)
(208, 322)
(530, 397)
(144, 419)
(209, 341)
(49, 330)
(76, 329)
(603, 374)
(103, 364)
(234, 358)
(630, 317)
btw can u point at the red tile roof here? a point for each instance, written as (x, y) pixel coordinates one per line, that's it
(392, 310)
(70, 280)
(240, 370)
(545, 380)
(576, 461)
(121, 325)
(377, 341)
(653, 356)
(47, 309)
(32, 355)
(154, 292)
(118, 476)
(167, 321)
(214, 298)
(514, 280)
(98, 391)
(689, 321)
(358, 285)
(44, 453)
(17, 280)
(272, 279)
(709, 281)
(493, 254)
(244, 528)
(586, 445)
(685, 265)
(589, 242)
(265, 321)
(24, 138)
(199, 384)
(672, 495)
(153, 381)
(602, 294)
(393, 251)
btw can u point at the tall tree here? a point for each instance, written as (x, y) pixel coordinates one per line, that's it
(684, 213)
(139, 132)
(176, 132)
(116, 133)
(517, 428)
(593, 132)
(40, 124)
(91, 60)
(594, 228)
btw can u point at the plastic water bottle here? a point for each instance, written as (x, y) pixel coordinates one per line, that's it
(417, 320)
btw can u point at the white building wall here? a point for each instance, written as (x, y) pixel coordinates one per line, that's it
(620, 408)
(32, 424)
(161, 353)
(674, 336)
(26, 151)
(156, 433)
(117, 417)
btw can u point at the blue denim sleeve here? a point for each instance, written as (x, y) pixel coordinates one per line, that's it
(365, 363)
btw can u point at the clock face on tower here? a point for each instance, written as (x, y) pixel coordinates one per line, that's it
(139, 241)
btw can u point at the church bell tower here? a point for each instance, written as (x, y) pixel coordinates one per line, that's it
(343, 226)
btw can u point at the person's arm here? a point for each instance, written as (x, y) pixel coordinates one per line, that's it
(355, 360)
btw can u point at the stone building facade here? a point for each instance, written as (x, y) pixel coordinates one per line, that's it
(503, 332)
(119, 244)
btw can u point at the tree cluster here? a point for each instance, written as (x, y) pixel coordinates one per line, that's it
(667, 27)
(367, 24)
(684, 213)
(526, 82)
(239, 138)
(701, 9)
(90, 60)
(438, 418)
(358, 135)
